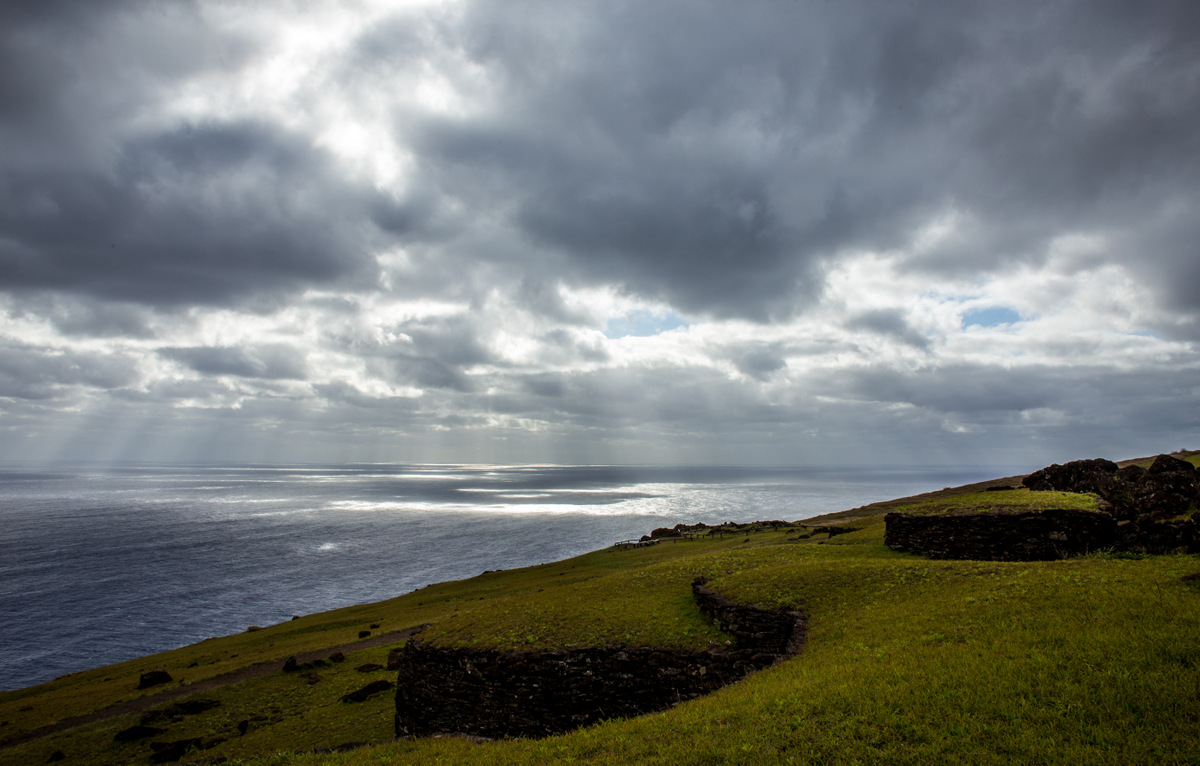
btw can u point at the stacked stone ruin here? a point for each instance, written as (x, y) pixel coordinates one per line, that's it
(1142, 510)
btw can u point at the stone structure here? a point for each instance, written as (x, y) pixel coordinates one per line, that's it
(510, 694)
(1029, 536)
(1141, 512)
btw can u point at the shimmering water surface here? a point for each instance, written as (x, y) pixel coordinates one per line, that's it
(102, 566)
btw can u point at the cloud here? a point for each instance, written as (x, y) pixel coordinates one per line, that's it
(273, 362)
(202, 215)
(600, 231)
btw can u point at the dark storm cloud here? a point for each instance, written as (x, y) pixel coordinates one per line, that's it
(273, 362)
(202, 215)
(720, 156)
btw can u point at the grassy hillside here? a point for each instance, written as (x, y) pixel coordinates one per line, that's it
(1088, 660)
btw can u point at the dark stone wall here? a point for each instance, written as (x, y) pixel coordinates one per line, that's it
(774, 631)
(496, 694)
(1029, 536)
(512, 694)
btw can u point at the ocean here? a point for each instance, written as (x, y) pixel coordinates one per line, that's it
(100, 566)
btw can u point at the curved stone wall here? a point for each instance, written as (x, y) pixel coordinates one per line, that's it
(516, 694)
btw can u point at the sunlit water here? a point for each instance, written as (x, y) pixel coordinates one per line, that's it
(102, 566)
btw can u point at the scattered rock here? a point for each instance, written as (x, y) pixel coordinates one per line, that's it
(368, 691)
(154, 678)
(370, 667)
(337, 657)
(393, 660)
(364, 633)
(290, 665)
(242, 726)
(134, 733)
(374, 626)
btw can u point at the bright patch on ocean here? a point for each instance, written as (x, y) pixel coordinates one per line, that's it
(103, 566)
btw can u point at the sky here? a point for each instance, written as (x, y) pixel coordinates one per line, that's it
(787, 233)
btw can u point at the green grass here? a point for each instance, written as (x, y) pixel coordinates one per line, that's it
(1011, 501)
(1089, 660)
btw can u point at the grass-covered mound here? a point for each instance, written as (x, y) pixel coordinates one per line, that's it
(1088, 660)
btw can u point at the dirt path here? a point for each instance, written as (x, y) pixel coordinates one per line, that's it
(257, 670)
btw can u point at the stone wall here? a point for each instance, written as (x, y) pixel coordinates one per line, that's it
(516, 694)
(496, 694)
(1029, 536)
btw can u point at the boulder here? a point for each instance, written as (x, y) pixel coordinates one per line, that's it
(1169, 464)
(1094, 476)
(154, 678)
(136, 732)
(368, 691)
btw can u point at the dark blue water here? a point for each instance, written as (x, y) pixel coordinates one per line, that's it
(98, 567)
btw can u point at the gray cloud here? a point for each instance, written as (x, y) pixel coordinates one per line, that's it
(203, 215)
(272, 362)
(454, 203)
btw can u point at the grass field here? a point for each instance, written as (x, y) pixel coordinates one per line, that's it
(1088, 660)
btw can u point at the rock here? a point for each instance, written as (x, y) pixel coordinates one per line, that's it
(1093, 476)
(1169, 464)
(337, 657)
(169, 752)
(56, 756)
(290, 665)
(368, 691)
(662, 532)
(243, 726)
(364, 633)
(393, 660)
(369, 667)
(134, 733)
(154, 678)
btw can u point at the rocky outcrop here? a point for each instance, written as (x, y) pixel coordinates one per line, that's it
(489, 693)
(1169, 488)
(1093, 476)
(1030, 536)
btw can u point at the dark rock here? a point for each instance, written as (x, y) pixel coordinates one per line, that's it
(364, 633)
(56, 756)
(662, 532)
(134, 733)
(393, 660)
(1154, 496)
(169, 752)
(368, 691)
(374, 626)
(1000, 489)
(290, 665)
(154, 678)
(1093, 476)
(369, 667)
(243, 726)
(337, 657)
(1169, 464)
(1028, 536)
